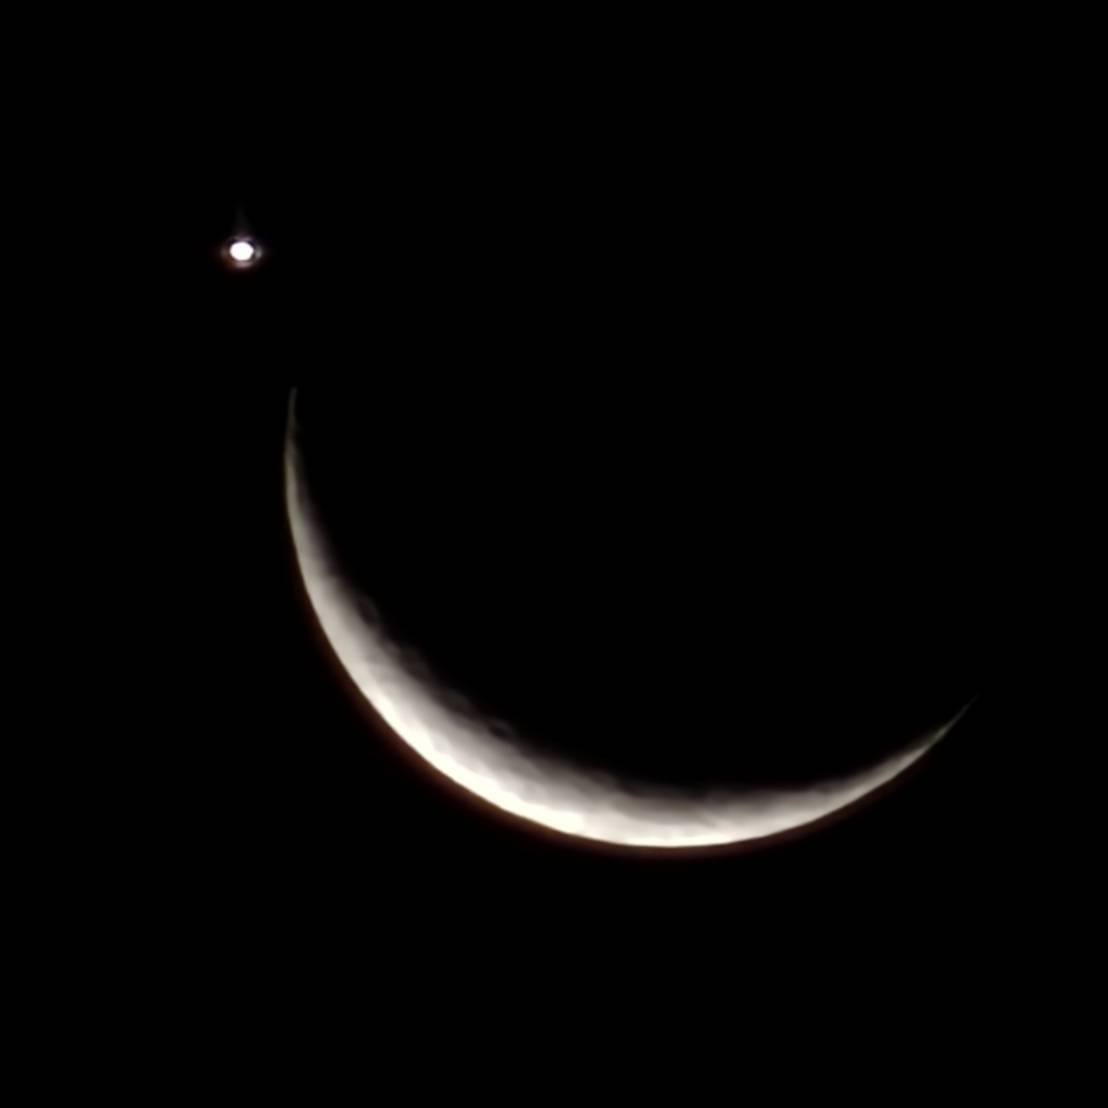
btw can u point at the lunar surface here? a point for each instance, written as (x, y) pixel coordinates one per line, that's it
(502, 768)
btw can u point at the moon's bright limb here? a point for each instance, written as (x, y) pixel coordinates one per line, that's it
(502, 770)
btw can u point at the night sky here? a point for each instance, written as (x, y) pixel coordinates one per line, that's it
(687, 449)
(660, 521)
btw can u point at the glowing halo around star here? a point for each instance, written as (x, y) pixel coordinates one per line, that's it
(242, 253)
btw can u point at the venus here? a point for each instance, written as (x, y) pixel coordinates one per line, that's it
(243, 252)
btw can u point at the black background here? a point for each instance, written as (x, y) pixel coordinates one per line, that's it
(763, 356)
(685, 485)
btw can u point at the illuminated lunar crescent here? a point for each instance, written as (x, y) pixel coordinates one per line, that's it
(505, 771)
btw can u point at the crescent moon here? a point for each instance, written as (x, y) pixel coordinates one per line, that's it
(492, 763)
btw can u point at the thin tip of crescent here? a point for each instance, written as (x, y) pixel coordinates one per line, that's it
(292, 429)
(294, 462)
(965, 708)
(941, 733)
